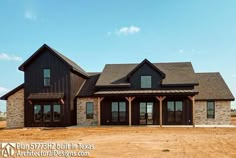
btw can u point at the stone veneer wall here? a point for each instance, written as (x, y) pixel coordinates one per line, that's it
(222, 113)
(81, 112)
(15, 110)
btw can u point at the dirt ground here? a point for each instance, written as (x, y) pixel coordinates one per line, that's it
(136, 141)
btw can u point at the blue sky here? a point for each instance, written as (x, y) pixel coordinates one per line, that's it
(93, 33)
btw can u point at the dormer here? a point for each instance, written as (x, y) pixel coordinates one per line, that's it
(145, 76)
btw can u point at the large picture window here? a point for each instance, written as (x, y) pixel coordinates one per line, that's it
(210, 109)
(146, 81)
(89, 110)
(50, 112)
(46, 77)
(118, 110)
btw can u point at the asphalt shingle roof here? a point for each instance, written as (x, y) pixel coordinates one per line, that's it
(176, 73)
(212, 87)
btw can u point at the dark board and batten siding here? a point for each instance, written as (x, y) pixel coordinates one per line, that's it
(60, 83)
(145, 70)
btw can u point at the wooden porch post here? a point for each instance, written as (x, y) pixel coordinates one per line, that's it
(99, 110)
(161, 98)
(192, 98)
(130, 99)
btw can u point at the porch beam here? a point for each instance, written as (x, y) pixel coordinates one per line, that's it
(130, 99)
(160, 98)
(99, 110)
(192, 98)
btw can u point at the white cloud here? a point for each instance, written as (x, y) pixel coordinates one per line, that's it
(3, 90)
(30, 15)
(128, 30)
(4, 56)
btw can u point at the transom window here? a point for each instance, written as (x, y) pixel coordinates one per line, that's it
(146, 81)
(89, 110)
(210, 109)
(46, 77)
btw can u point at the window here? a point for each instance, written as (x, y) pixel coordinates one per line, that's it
(118, 110)
(122, 111)
(114, 109)
(56, 112)
(46, 77)
(37, 113)
(47, 113)
(89, 110)
(210, 109)
(171, 109)
(146, 81)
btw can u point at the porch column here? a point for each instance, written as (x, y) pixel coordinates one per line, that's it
(192, 98)
(130, 99)
(99, 110)
(160, 98)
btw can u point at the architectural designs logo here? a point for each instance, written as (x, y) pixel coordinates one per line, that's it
(8, 149)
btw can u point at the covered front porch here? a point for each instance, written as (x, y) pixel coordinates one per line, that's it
(149, 108)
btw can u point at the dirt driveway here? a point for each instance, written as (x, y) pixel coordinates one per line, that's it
(136, 141)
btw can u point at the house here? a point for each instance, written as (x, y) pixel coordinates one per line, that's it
(57, 92)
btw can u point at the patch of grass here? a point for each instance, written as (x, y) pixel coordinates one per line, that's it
(165, 150)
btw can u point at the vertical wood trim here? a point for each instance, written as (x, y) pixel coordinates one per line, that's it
(161, 98)
(99, 110)
(160, 113)
(130, 99)
(130, 112)
(192, 98)
(193, 102)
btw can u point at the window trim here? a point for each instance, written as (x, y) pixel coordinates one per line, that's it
(141, 81)
(92, 114)
(214, 108)
(47, 78)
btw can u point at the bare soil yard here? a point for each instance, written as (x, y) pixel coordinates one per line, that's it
(137, 141)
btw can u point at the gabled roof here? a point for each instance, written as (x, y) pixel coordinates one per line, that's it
(212, 87)
(67, 61)
(145, 61)
(4, 97)
(176, 73)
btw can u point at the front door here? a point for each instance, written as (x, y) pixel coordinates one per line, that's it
(175, 112)
(146, 113)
